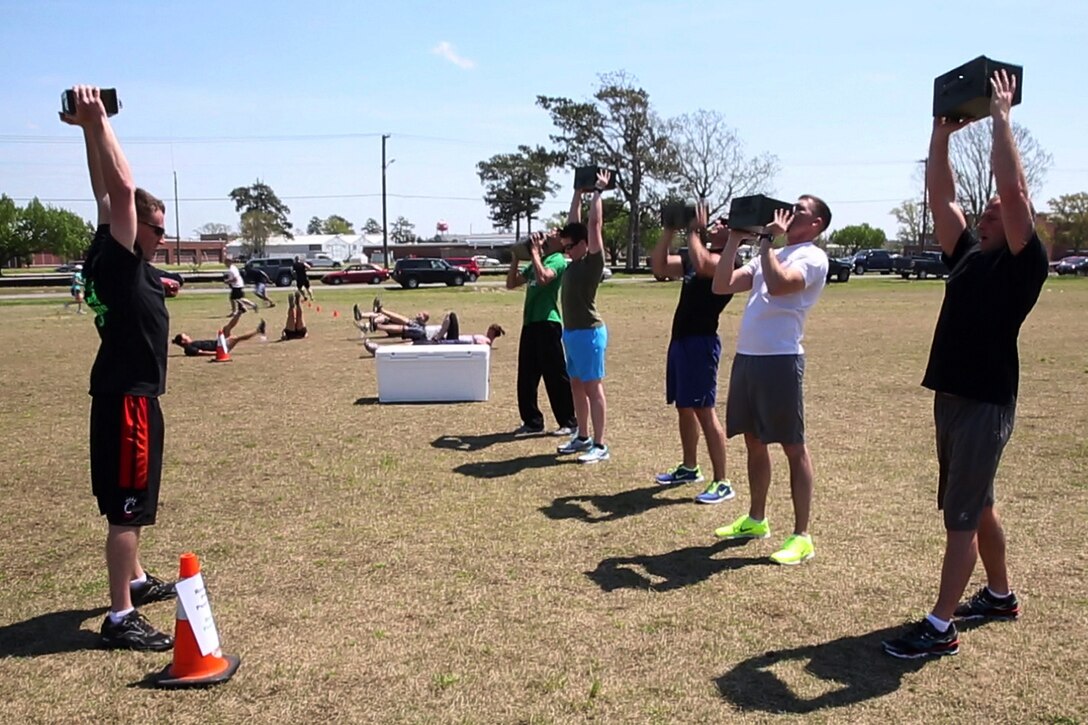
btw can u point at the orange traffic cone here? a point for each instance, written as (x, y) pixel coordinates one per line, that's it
(319, 308)
(222, 352)
(196, 664)
(335, 314)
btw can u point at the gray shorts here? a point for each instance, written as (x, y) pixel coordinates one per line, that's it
(971, 436)
(765, 398)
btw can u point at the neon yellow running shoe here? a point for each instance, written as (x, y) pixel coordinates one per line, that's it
(744, 528)
(797, 548)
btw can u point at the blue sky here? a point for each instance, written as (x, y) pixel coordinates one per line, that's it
(298, 94)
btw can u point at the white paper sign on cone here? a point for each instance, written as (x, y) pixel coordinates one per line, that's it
(198, 610)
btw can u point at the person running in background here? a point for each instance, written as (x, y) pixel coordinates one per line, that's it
(302, 278)
(238, 302)
(261, 280)
(76, 290)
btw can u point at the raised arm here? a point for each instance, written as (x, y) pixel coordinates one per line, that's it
(1012, 188)
(662, 262)
(514, 277)
(543, 275)
(727, 278)
(780, 280)
(948, 219)
(596, 214)
(574, 215)
(116, 177)
(703, 261)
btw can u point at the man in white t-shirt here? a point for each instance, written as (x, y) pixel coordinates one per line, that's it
(238, 301)
(765, 400)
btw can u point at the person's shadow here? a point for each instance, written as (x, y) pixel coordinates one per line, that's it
(498, 469)
(856, 668)
(680, 568)
(49, 634)
(470, 443)
(611, 506)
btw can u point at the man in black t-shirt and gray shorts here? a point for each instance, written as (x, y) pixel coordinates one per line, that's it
(974, 370)
(128, 375)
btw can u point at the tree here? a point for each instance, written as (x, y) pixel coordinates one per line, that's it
(858, 236)
(969, 152)
(214, 229)
(516, 185)
(1069, 213)
(68, 235)
(11, 249)
(711, 163)
(618, 129)
(372, 226)
(314, 225)
(336, 224)
(257, 226)
(909, 217)
(260, 197)
(402, 231)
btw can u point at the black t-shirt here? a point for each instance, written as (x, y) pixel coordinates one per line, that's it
(194, 348)
(699, 308)
(126, 294)
(986, 299)
(300, 271)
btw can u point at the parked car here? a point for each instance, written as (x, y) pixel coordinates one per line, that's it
(411, 273)
(1072, 265)
(923, 265)
(357, 274)
(838, 270)
(482, 261)
(68, 267)
(470, 265)
(322, 261)
(278, 269)
(874, 260)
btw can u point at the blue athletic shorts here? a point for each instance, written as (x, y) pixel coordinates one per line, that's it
(691, 371)
(585, 353)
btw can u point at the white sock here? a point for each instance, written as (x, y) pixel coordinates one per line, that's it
(940, 625)
(995, 595)
(137, 583)
(116, 617)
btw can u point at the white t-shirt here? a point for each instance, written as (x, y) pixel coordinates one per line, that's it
(234, 277)
(774, 325)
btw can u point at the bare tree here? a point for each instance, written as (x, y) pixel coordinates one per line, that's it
(711, 163)
(909, 217)
(970, 155)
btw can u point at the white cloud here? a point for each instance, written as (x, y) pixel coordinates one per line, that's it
(445, 49)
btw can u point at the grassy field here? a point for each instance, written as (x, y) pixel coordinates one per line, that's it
(377, 564)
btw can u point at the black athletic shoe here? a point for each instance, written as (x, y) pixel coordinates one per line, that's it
(357, 312)
(923, 640)
(153, 590)
(135, 633)
(262, 327)
(984, 605)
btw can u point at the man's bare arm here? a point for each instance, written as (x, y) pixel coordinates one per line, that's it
(1016, 214)
(948, 219)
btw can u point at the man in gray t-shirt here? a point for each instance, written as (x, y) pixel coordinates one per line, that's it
(585, 336)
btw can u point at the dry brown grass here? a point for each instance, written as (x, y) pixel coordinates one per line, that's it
(405, 564)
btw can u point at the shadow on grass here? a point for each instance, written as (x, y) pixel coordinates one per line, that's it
(611, 506)
(855, 668)
(472, 443)
(498, 469)
(49, 634)
(680, 568)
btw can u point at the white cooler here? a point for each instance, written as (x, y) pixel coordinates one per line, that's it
(433, 373)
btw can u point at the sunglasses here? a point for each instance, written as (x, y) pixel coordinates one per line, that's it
(159, 231)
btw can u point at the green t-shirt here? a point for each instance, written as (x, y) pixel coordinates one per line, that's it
(580, 292)
(542, 301)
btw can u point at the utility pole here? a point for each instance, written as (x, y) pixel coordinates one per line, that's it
(925, 202)
(385, 223)
(177, 222)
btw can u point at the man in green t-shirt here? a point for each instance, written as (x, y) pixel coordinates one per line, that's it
(540, 349)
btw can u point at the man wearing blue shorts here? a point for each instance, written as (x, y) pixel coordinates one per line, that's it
(691, 374)
(585, 338)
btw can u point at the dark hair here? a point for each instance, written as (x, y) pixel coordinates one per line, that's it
(576, 232)
(146, 204)
(499, 332)
(822, 209)
(177, 340)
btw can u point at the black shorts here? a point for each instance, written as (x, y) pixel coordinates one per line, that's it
(971, 435)
(414, 331)
(765, 398)
(126, 457)
(237, 293)
(294, 334)
(302, 282)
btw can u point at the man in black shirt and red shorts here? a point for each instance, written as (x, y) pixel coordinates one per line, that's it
(128, 375)
(974, 371)
(691, 374)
